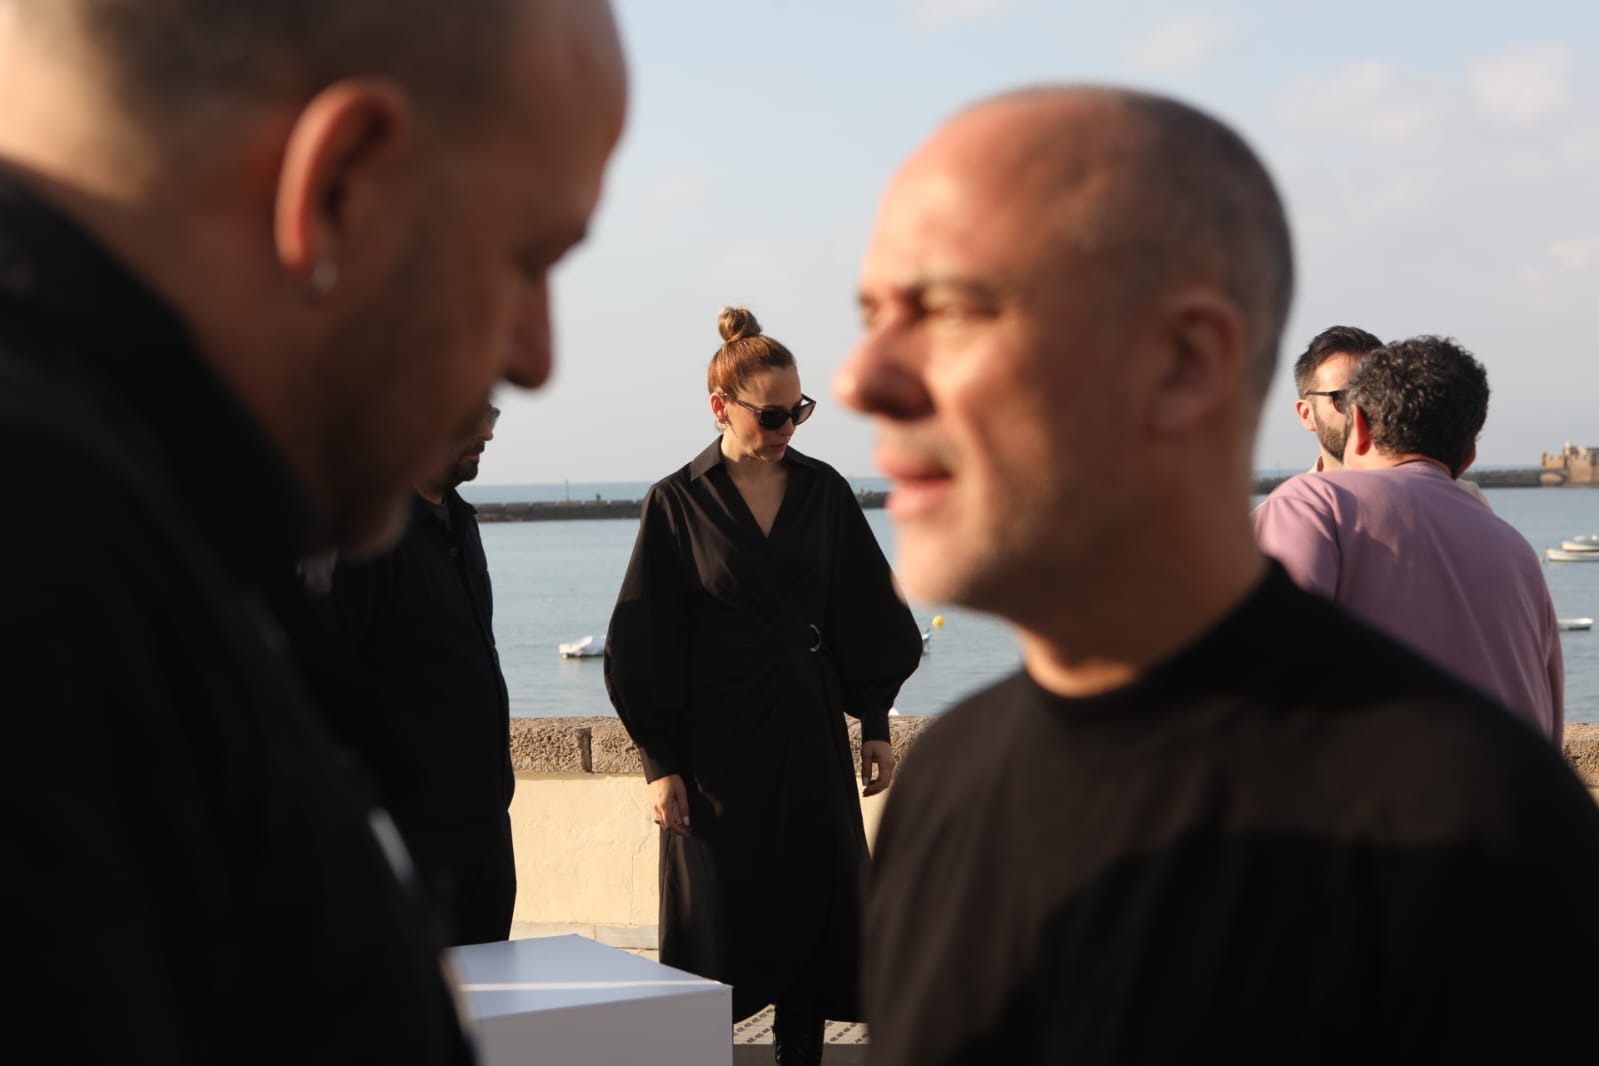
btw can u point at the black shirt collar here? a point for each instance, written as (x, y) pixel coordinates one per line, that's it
(712, 457)
(1206, 666)
(452, 509)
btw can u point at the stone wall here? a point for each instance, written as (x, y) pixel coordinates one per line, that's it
(586, 846)
(599, 745)
(1582, 752)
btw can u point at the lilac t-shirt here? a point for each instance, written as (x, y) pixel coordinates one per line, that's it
(1409, 553)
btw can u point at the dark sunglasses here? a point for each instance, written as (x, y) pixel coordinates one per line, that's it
(1335, 395)
(773, 417)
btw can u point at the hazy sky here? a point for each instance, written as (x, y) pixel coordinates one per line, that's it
(1440, 162)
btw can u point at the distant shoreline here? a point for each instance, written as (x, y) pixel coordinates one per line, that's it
(1518, 478)
(570, 510)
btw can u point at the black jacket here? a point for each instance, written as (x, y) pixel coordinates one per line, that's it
(186, 845)
(732, 658)
(430, 712)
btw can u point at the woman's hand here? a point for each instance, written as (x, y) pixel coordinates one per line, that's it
(879, 754)
(669, 804)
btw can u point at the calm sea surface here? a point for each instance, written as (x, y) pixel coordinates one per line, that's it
(556, 582)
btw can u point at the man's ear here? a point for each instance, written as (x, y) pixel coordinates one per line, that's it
(1302, 409)
(1200, 360)
(348, 183)
(1471, 457)
(1358, 434)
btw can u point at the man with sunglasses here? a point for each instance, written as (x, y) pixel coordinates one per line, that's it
(425, 702)
(1320, 374)
(1390, 539)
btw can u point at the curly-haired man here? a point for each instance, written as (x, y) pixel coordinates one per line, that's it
(1391, 539)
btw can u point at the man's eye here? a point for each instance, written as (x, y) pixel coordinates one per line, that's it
(952, 311)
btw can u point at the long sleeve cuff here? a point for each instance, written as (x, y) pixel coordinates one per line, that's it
(658, 764)
(874, 724)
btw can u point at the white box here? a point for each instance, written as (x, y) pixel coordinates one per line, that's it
(568, 1001)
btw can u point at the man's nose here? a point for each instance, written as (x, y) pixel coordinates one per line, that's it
(530, 356)
(881, 376)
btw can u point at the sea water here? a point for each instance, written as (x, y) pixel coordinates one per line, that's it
(556, 582)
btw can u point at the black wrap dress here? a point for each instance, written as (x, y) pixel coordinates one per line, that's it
(731, 658)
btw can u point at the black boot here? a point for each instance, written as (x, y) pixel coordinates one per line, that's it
(797, 1031)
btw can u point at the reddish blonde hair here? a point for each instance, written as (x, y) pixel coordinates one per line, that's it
(745, 352)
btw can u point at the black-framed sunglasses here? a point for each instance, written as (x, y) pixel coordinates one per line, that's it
(1335, 395)
(773, 417)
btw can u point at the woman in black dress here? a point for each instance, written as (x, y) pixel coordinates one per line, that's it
(758, 609)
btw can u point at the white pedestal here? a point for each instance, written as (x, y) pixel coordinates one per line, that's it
(569, 1000)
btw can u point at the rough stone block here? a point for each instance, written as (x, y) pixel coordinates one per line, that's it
(551, 745)
(612, 751)
(902, 732)
(1582, 750)
(903, 729)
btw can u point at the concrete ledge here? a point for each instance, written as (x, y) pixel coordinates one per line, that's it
(586, 846)
(599, 745)
(902, 733)
(1582, 751)
(613, 751)
(552, 745)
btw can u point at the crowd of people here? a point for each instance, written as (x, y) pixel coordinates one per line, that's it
(1287, 787)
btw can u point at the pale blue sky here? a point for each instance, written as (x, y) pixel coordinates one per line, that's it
(1440, 162)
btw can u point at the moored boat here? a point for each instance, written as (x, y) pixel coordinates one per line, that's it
(1561, 555)
(1581, 544)
(1575, 623)
(586, 648)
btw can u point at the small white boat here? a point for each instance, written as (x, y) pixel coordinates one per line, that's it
(587, 648)
(1581, 544)
(927, 634)
(1562, 555)
(1575, 623)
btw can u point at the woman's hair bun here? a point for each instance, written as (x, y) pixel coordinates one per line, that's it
(737, 323)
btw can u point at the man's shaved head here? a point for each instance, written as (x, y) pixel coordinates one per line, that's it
(1176, 198)
(1064, 281)
(178, 61)
(354, 206)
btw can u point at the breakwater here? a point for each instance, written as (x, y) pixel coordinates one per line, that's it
(1487, 479)
(567, 510)
(558, 510)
